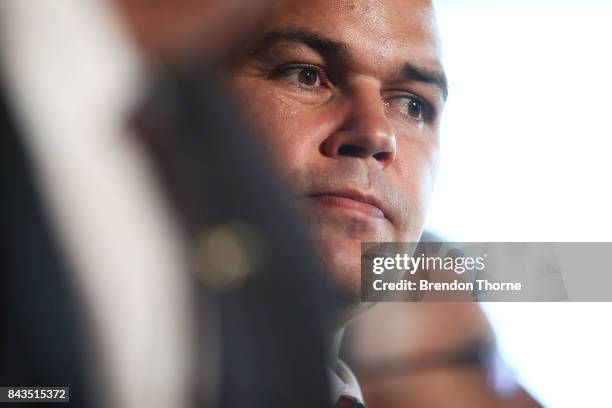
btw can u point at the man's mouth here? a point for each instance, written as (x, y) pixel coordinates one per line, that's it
(350, 200)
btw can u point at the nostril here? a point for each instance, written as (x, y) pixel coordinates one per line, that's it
(352, 151)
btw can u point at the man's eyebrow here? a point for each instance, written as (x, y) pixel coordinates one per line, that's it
(420, 74)
(325, 46)
(328, 47)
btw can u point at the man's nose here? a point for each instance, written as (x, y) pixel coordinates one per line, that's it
(366, 132)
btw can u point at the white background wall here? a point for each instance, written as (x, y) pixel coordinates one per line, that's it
(527, 156)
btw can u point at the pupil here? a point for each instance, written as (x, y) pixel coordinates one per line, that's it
(414, 109)
(308, 77)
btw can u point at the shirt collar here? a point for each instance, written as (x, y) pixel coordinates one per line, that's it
(344, 383)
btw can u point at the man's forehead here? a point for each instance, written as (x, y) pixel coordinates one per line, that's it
(373, 9)
(379, 28)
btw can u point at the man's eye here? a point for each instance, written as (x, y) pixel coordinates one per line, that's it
(411, 107)
(308, 77)
(305, 76)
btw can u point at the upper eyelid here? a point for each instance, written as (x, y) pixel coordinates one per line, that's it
(324, 75)
(432, 100)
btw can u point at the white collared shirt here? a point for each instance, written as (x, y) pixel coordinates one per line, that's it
(344, 383)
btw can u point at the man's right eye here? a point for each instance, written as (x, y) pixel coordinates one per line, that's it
(306, 77)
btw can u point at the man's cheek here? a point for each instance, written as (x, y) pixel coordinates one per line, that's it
(283, 144)
(415, 185)
(294, 138)
(416, 167)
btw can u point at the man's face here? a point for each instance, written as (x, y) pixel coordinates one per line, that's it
(348, 96)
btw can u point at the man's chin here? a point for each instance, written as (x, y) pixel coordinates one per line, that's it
(337, 237)
(342, 259)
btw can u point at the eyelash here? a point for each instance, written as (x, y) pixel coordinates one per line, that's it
(428, 110)
(287, 69)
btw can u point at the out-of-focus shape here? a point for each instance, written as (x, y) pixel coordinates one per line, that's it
(95, 270)
(430, 354)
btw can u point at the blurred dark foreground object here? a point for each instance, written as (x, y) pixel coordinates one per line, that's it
(273, 321)
(431, 354)
(275, 315)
